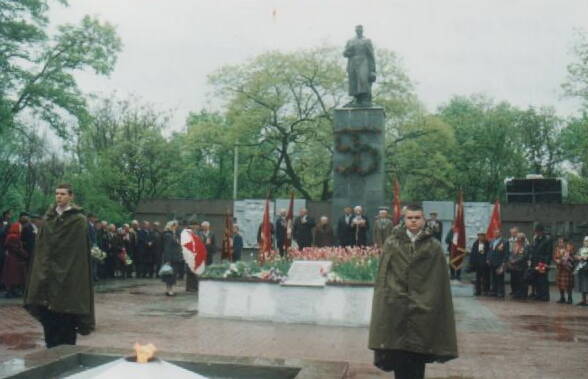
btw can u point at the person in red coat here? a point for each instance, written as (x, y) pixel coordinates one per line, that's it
(15, 262)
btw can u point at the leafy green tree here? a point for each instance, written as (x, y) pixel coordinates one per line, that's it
(487, 147)
(122, 152)
(576, 84)
(539, 133)
(37, 70)
(422, 162)
(575, 135)
(574, 143)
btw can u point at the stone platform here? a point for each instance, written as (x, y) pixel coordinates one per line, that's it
(496, 338)
(333, 305)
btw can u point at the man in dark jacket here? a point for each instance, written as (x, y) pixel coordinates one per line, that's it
(497, 258)
(479, 265)
(412, 313)
(344, 229)
(237, 244)
(541, 253)
(93, 238)
(142, 251)
(148, 256)
(157, 247)
(59, 292)
(28, 237)
(303, 226)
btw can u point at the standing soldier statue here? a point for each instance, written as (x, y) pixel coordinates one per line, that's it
(361, 69)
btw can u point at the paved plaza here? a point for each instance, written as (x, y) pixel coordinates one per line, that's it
(497, 339)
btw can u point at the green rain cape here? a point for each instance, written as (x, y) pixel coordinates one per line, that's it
(60, 277)
(412, 307)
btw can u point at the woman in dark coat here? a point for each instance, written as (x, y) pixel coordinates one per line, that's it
(172, 255)
(15, 263)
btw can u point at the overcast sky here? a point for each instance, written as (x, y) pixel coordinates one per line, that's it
(514, 50)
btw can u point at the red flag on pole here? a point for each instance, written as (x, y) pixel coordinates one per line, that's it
(289, 223)
(495, 222)
(396, 203)
(458, 245)
(266, 234)
(227, 252)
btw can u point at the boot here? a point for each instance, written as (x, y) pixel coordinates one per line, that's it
(570, 301)
(562, 299)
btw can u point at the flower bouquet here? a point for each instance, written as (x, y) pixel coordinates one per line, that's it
(541, 268)
(273, 274)
(97, 254)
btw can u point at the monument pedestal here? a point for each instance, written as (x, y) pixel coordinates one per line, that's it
(359, 160)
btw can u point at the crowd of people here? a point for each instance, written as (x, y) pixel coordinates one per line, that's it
(139, 249)
(352, 229)
(529, 263)
(526, 262)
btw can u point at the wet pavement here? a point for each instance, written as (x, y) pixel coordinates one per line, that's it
(497, 338)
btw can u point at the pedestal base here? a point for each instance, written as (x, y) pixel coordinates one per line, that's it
(359, 160)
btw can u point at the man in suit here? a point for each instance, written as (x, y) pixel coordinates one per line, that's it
(281, 230)
(541, 252)
(497, 258)
(303, 226)
(141, 252)
(344, 229)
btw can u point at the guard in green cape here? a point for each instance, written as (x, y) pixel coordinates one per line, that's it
(412, 316)
(59, 292)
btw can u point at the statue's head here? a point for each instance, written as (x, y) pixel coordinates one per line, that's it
(359, 30)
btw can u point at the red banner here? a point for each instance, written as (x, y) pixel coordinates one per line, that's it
(458, 244)
(396, 203)
(266, 234)
(227, 252)
(495, 222)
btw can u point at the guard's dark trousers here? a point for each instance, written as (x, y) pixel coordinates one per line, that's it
(59, 328)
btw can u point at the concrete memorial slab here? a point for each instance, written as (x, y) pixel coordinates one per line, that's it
(249, 214)
(308, 273)
(476, 217)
